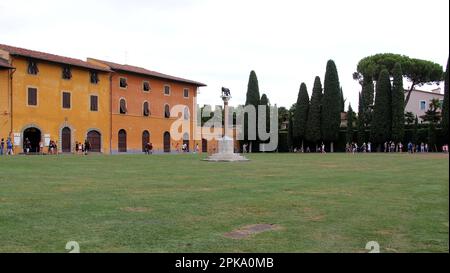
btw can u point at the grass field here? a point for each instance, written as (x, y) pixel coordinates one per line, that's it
(177, 203)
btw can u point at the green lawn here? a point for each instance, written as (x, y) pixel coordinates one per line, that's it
(178, 203)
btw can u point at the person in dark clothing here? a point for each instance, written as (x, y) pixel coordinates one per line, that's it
(87, 146)
(2, 146)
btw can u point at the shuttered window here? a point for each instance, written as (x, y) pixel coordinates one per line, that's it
(166, 90)
(94, 103)
(123, 83)
(66, 73)
(32, 96)
(94, 77)
(66, 100)
(146, 109)
(146, 86)
(186, 93)
(123, 106)
(166, 111)
(32, 68)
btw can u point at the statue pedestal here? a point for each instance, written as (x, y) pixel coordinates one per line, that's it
(226, 143)
(226, 152)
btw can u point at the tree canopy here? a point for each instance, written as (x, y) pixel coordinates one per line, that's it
(417, 71)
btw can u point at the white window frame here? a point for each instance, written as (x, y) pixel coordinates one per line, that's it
(164, 89)
(420, 105)
(62, 100)
(37, 96)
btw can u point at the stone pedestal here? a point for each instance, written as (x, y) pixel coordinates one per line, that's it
(226, 143)
(226, 152)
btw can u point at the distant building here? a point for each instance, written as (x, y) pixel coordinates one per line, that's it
(420, 100)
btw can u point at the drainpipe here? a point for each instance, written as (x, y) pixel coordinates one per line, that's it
(11, 73)
(110, 113)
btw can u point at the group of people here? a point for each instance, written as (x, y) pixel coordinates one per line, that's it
(82, 148)
(353, 147)
(420, 148)
(6, 147)
(148, 148)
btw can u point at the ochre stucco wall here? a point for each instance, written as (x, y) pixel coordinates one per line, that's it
(49, 115)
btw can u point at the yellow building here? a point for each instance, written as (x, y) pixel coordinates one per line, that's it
(45, 97)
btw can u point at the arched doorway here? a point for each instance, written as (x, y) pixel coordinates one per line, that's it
(145, 139)
(186, 141)
(95, 139)
(33, 134)
(66, 140)
(167, 142)
(204, 145)
(122, 141)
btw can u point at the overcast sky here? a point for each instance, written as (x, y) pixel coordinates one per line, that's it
(220, 42)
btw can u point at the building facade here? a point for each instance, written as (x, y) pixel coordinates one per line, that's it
(419, 101)
(141, 106)
(117, 108)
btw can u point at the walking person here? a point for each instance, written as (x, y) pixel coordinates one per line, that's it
(410, 147)
(87, 146)
(400, 147)
(41, 147)
(150, 148)
(422, 147)
(196, 148)
(369, 147)
(2, 146)
(426, 148)
(26, 146)
(9, 147)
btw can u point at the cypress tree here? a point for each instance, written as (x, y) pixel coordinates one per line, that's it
(350, 119)
(342, 100)
(398, 105)
(313, 133)
(265, 101)
(252, 98)
(381, 123)
(290, 136)
(331, 108)
(367, 95)
(301, 113)
(445, 112)
(360, 121)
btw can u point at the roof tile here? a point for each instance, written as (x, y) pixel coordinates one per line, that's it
(50, 57)
(146, 72)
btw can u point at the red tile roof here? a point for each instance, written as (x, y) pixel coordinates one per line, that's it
(146, 72)
(4, 64)
(50, 57)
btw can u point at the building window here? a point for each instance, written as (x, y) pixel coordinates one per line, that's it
(66, 100)
(423, 105)
(123, 106)
(166, 90)
(146, 109)
(186, 113)
(146, 86)
(94, 77)
(32, 96)
(167, 111)
(186, 93)
(66, 73)
(94, 103)
(123, 83)
(32, 68)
